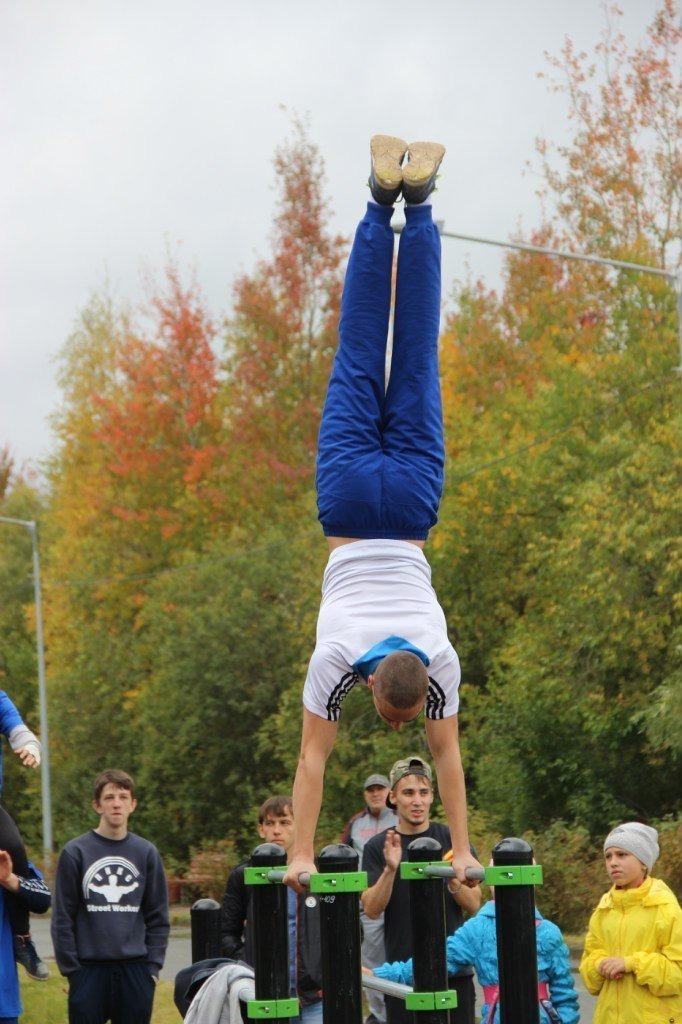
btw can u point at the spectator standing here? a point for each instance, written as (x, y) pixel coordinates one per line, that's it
(276, 825)
(25, 745)
(31, 892)
(411, 794)
(110, 922)
(375, 817)
(633, 951)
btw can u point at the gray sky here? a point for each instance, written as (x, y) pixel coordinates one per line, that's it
(128, 126)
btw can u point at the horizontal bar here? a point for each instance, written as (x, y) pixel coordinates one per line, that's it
(563, 254)
(389, 988)
(542, 250)
(415, 870)
(447, 871)
(519, 874)
(18, 522)
(277, 875)
(336, 881)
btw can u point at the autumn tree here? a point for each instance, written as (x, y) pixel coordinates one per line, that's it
(133, 485)
(618, 184)
(282, 337)
(166, 470)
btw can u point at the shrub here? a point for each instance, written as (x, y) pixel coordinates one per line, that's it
(210, 868)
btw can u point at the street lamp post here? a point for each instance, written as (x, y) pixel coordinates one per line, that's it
(42, 692)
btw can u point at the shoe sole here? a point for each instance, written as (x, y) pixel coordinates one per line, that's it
(387, 155)
(424, 159)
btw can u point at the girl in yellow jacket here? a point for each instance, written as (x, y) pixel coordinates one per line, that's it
(633, 951)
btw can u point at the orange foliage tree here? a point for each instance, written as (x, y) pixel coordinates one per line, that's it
(282, 338)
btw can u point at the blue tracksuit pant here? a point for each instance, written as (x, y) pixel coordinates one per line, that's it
(381, 450)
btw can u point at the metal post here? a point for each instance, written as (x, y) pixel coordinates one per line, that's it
(205, 924)
(640, 268)
(427, 916)
(269, 925)
(678, 295)
(42, 690)
(340, 924)
(516, 940)
(42, 699)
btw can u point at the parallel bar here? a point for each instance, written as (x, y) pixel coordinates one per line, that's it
(340, 923)
(516, 939)
(269, 921)
(389, 988)
(447, 871)
(277, 875)
(427, 916)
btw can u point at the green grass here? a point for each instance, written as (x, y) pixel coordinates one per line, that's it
(45, 1002)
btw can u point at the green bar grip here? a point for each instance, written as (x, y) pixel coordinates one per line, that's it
(271, 1009)
(514, 874)
(431, 1000)
(348, 881)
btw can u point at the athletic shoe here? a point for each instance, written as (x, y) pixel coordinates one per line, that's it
(26, 954)
(386, 176)
(421, 169)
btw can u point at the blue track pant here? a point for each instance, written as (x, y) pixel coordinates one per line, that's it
(381, 451)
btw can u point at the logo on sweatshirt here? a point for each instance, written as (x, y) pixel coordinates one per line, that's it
(110, 878)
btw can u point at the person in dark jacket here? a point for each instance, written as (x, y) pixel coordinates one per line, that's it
(30, 890)
(26, 746)
(411, 796)
(276, 825)
(110, 920)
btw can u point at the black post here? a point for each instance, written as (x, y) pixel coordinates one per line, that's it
(516, 940)
(205, 924)
(427, 915)
(340, 924)
(269, 926)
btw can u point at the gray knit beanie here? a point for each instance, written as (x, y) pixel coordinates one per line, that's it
(640, 840)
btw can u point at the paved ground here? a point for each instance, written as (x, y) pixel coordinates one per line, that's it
(180, 955)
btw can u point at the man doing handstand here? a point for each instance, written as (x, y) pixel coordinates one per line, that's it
(380, 467)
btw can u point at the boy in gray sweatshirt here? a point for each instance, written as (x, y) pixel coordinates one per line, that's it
(110, 919)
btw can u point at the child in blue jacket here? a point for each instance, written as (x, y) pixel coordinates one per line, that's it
(26, 746)
(476, 943)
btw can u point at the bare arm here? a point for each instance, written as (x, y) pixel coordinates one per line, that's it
(443, 738)
(375, 899)
(317, 742)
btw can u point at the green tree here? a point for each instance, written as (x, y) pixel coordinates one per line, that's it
(559, 556)
(18, 652)
(222, 642)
